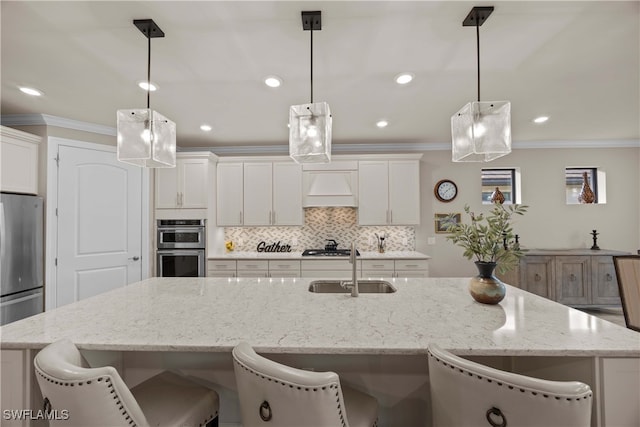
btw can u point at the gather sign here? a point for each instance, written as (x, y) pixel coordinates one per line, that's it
(274, 247)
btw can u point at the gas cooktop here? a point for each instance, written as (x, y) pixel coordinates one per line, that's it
(328, 252)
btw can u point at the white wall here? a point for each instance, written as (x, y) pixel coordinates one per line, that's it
(550, 222)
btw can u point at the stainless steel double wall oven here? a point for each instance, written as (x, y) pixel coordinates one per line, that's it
(181, 248)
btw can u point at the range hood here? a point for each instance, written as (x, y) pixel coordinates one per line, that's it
(330, 185)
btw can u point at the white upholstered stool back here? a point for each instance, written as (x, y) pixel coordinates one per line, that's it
(99, 396)
(272, 394)
(465, 393)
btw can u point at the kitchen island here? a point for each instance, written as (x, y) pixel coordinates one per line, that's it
(377, 342)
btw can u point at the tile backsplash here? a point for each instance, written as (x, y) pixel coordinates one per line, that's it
(340, 224)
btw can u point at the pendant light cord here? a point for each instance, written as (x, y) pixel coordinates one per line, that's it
(478, 51)
(311, 66)
(148, 71)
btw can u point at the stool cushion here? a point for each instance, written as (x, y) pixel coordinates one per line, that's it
(170, 400)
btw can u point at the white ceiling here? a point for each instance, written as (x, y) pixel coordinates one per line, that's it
(578, 62)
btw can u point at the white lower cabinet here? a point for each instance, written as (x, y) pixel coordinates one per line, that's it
(378, 268)
(329, 268)
(284, 268)
(221, 268)
(411, 268)
(318, 268)
(253, 268)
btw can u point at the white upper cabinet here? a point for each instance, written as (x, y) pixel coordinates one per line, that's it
(19, 154)
(183, 187)
(229, 195)
(389, 192)
(258, 187)
(287, 194)
(259, 194)
(404, 192)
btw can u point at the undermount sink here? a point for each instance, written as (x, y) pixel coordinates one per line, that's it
(364, 287)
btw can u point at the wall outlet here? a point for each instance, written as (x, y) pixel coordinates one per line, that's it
(294, 242)
(431, 240)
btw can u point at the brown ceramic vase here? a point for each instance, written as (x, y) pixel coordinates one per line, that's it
(485, 287)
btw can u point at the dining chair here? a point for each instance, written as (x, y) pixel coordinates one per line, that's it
(466, 393)
(277, 395)
(85, 396)
(628, 274)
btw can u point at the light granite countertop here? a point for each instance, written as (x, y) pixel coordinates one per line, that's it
(282, 316)
(297, 255)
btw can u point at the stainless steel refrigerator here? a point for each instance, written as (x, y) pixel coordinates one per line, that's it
(22, 257)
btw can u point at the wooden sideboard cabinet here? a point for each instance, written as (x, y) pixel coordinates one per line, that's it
(576, 277)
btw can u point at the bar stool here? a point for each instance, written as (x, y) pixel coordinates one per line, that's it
(465, 393)
(272, 394)
(83, 396)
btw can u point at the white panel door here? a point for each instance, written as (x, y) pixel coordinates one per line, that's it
(99, 223)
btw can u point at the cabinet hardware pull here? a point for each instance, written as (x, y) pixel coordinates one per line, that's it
(391, 216)
(240, 217)
(411, 265)
(378, 265)
(537, 277)
(608, 277)
(273, 221)
(572, 277)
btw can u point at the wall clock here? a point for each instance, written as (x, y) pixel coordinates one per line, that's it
(445, 190)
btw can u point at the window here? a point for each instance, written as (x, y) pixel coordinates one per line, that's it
(507, 180)
(574, 178)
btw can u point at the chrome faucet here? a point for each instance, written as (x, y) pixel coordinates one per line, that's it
(354, 275)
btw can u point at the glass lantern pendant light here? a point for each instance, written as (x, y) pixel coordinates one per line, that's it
(145, 137)
(481, 131)
(310, 124)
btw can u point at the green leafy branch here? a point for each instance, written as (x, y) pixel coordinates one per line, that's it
(488, 238)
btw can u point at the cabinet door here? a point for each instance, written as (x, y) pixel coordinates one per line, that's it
(537, 275)
(412, 268)
(257, 194)
(573, 280)
(229, 207)
(287, 194)
(377, 268)
(604, 284)
(167, 192)
(193, 183)
(373, 185)
(19, 168)
(404, 192)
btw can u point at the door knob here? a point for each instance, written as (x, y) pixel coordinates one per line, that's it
(135, 258)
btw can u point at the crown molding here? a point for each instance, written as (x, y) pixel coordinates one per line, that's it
(409, 147)
(55, 121)
(283, 149)
(19, 135)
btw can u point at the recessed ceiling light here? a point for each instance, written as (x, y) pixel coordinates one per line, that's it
(30, 91)
(541, 119)
(404, 78)
(273, 81)
(382, 123)
(148, 86)
(205, 128)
